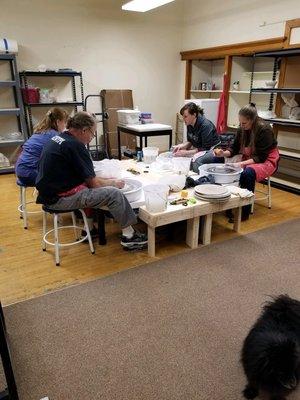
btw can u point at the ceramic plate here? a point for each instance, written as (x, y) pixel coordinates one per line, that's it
(211, 190)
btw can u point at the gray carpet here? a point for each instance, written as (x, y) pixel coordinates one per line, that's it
(169, 330)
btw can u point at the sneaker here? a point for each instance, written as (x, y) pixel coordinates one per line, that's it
(93, 232)
(137, 239)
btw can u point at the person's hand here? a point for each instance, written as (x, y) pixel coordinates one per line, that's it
(219, 152)
(235, 164)
(178, 147)
(119, 183)
(181, 153)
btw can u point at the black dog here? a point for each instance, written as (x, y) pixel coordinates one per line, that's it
(271, 351)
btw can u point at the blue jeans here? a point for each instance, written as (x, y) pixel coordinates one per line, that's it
(247, 181)
(207, 158)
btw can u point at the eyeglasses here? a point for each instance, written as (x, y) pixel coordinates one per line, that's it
(94, 133)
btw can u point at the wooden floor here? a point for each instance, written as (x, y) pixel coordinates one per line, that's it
(26, 271)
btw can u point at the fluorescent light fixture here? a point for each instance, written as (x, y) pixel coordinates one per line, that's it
(144, 5)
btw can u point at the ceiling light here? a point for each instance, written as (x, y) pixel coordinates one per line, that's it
(144, 5)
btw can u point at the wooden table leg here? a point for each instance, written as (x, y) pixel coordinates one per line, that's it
(151, 241)
(192, 232)
(237, 219)
(206, 236)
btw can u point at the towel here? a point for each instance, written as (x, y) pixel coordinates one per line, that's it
(243, 193)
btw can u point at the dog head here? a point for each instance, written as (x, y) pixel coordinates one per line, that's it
(278, 364)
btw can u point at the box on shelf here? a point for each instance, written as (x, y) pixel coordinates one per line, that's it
(128, 117)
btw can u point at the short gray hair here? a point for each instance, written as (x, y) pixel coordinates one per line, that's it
(81, 120)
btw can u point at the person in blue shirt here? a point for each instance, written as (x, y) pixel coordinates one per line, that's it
(201, 137)
(53, 123)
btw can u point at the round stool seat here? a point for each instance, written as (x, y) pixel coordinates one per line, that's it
(19, 183)
(52, 211)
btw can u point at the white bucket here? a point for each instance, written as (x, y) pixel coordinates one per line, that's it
(181, 165)
(150, 154)
(156, 197)
(8, 46)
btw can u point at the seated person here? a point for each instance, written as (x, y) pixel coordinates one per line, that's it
(66, 179)
(52, 124)
(256, 143)
(201, 135)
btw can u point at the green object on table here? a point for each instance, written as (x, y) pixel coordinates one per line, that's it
(192, 200)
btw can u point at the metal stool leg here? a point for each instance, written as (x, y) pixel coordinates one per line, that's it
(23, 206)
(74, 224)
(44, 230)
(55, 222)
(269, 193)
(20, 208)
(86, 228)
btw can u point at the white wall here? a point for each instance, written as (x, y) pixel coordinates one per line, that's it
(216, 23)
(114, 49)
(139, 51)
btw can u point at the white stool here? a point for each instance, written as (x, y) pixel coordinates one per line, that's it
(56, 228)
(266, 194)
(22, 208)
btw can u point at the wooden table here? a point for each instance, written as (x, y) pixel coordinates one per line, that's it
(144, 131)
(192, 214)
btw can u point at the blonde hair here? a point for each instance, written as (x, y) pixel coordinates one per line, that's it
(81, 120)
(50, 120)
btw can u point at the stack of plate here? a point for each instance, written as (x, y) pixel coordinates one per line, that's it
(212, 193)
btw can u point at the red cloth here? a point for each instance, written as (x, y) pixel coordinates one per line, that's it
(265, 169)
(74, 190)
(88, 211)
(222, 119)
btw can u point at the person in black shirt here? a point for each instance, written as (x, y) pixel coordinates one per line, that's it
(66, 179)
(256, 144)
(201, 136)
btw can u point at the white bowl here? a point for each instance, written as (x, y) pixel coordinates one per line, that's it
(135, 191)
(270, 84)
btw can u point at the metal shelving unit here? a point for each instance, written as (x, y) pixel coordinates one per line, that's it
(13, 82)
(281, 178)
(78, 99)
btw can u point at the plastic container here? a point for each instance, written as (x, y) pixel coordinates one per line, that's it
(128, 117)
(108, 169)
(181, 165)
(8, 46)
(156, 197)
(150, 154)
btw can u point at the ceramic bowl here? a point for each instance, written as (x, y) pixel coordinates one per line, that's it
(270, 84)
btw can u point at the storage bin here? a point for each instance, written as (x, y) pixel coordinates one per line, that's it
(128, 117)
(31, 95)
